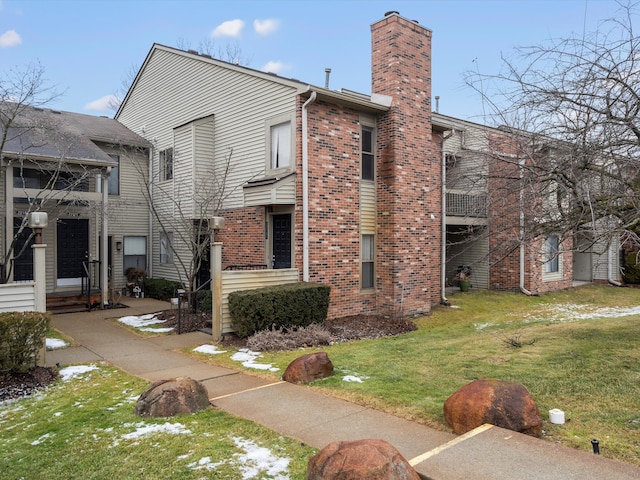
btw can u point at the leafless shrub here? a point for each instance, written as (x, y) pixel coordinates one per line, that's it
(280, 339)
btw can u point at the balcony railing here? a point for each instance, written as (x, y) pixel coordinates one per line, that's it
(466, 205)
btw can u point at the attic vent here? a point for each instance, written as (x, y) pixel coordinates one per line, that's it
(195, 52)
(450, 160)
(391, 12)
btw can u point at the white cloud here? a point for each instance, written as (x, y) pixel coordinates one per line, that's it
(266, 27)
(10, 38)
(108, 102)
(230, 28)
(275, 67)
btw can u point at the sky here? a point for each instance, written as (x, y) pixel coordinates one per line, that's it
(89, 49)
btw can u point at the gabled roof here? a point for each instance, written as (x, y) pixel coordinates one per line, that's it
(46, 134)
(374, 103)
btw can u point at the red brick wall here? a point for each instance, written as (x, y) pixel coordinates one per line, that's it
(243, 237)
(334, 207)
(409, 172)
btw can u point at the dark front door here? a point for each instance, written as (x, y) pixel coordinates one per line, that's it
(282, 241)
(72, 248)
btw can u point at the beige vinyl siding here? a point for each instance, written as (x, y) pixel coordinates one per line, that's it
(183, 174)
(367, 208)
(17, 297)
(128, 212)
(236, 280)
(473, 253)
(279, 193)
(174, 90)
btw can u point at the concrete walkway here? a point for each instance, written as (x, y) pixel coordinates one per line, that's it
(316, 419)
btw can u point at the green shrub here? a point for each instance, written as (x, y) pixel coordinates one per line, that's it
(282, 306)
(160, 288)
(631, 272)
(22, 335)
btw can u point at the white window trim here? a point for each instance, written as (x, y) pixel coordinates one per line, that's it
(363, 261)
(166, 248)
(272, 122)
(551, 276)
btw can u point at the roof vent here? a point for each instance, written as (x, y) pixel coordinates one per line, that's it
(391, 12)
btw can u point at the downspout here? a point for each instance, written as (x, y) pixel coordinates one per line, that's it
(150, 219)
(104, 277)
(305, 189)
(522, 231)
(443, 226)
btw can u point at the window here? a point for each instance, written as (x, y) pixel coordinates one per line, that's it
(114, 178)
(368, 249)
(280, 145)
(552, 254)
(366, 139)
(135, 253)
(166, 247)
(166, 164)
(51, 180)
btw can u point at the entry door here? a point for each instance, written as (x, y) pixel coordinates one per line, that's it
(72, 250)
(281, 240)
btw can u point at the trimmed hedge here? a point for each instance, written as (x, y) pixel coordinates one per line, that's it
(160, 288)
(631, 273)
(282, 306)
(22, 335)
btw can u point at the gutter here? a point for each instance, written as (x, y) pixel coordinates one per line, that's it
(522, 232)
(305, 188)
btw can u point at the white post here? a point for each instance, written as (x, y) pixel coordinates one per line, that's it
(104, 265)
(40, 288)
(216, 290)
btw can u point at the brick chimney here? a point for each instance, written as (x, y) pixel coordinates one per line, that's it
(409, 175)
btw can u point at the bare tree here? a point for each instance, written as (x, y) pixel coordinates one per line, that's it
(570, 149)
(37, 153)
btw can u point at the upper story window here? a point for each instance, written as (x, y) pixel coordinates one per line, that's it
(114, 177)
(367, 145)
(50, 180)
(166, 164)
(280, 143)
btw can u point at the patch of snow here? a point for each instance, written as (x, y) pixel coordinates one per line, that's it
(204, 463)
(53, 343)
(248, 359)
(482, 326)
(209, 349)
(573, 313)
(351, 378)
(42, 439)
(73, 371)
(144, 430)
(142, 323)
(259, 460)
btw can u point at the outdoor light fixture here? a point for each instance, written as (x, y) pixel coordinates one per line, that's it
(118, 246)
(217, 223)
(38, 221)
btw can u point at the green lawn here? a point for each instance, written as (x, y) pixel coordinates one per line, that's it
(85, 428)
(580, 353)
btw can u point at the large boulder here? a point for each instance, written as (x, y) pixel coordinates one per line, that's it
(167, 398)
(503, 404)
(360, 459)
(307, 368)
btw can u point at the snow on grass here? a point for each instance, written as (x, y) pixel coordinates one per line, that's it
(248, 359)
(574, 313)
(209, 349)
(73, 371)
(142, 323)
(42, 439)
(351, 378)
(145, 429)
(253, 462)
(53, 343)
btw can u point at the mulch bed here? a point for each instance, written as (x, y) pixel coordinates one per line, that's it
(355, 327)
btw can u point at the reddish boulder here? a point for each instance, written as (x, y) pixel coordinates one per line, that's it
(308, 368)
(167, 398)
(503, 404)
(370, 459)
